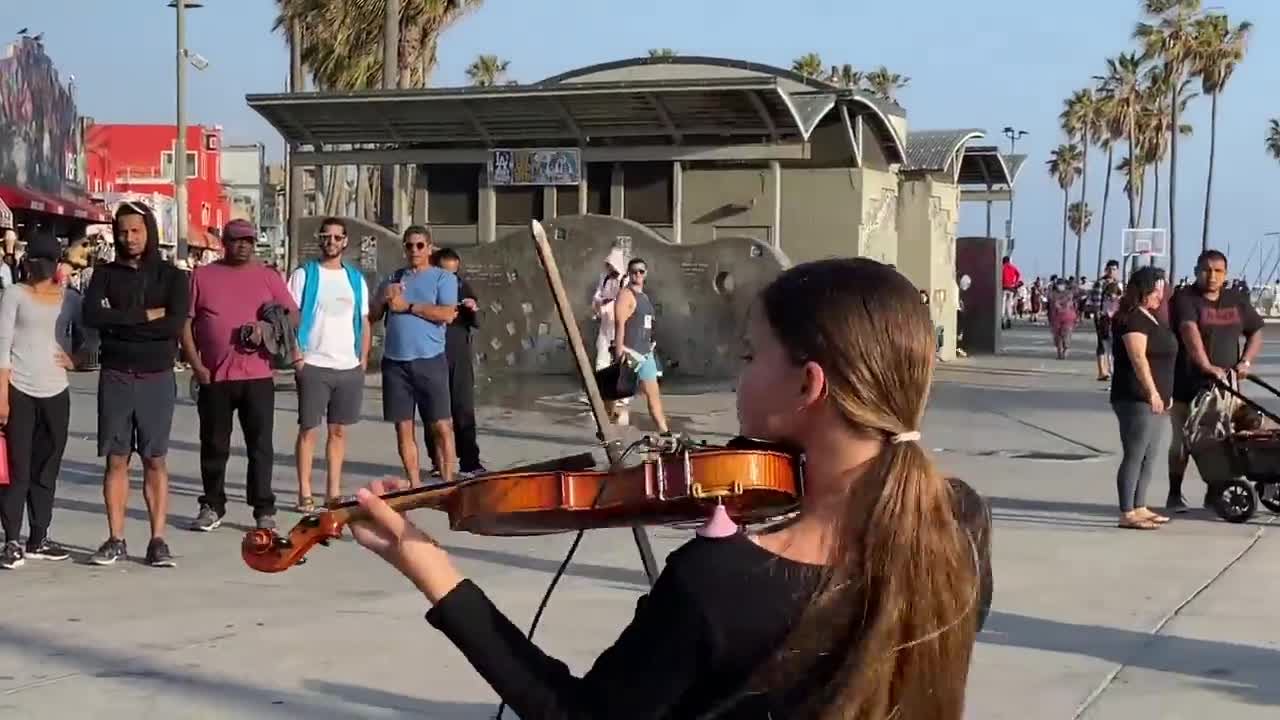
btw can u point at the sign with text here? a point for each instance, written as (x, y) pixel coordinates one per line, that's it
(535, 166)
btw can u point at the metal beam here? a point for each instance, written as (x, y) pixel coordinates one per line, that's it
(665, 117)
(853, 128)
(763, 112)
(475, 122)
(640, 153)
(569, 121)
(984, 195)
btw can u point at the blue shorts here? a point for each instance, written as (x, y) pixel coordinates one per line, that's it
(647, 369)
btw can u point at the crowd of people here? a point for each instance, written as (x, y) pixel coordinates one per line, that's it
(235, 322)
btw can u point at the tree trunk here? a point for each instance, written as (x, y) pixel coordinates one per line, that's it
(1133, 154)
(1208, 183)
(1084, 187)
(1155, 197)
(1106, 195)
(1173, 178)
(1066, 200)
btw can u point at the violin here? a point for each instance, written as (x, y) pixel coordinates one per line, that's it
(675, 482)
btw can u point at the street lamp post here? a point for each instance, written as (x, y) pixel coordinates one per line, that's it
(180, 142)
(1014, 135)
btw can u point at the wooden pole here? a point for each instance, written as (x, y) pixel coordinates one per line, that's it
(606, 430)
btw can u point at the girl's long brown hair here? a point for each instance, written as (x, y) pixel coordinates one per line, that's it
(890, 631)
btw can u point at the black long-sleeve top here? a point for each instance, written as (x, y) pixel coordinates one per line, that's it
(720, 608)
(116, 304)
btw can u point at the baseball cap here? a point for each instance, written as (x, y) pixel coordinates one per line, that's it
(239, 228)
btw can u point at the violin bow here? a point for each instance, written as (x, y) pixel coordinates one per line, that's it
(606, 431)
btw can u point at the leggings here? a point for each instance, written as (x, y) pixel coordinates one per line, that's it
(1144, 437)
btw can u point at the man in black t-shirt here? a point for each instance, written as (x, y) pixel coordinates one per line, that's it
(1209, 320)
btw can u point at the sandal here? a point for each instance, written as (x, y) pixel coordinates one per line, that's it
(1154, 517)
(306, 506)
(1142, 524)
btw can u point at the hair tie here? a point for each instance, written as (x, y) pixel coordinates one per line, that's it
(912, 436)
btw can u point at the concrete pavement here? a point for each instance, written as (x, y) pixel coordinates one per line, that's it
(1089, 620)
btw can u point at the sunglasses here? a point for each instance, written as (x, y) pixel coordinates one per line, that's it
(416, 245)
(640, 271)
(326, 238)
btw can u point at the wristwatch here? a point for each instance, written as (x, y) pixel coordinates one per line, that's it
(409, 310)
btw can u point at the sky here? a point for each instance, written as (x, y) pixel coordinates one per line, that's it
(977, 64)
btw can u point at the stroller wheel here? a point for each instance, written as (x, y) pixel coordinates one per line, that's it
(1235, 501)
(1269, 496)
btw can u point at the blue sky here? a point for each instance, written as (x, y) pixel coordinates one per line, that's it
(981, 63)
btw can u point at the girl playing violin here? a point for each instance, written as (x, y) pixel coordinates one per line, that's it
(864, 605)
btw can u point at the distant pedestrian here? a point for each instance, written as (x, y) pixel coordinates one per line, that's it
(235, 375)
(418, 301)
(633, 338)
(138, 304)
(37, 340)
(1063, 315)
(334, 337)
(462, 375)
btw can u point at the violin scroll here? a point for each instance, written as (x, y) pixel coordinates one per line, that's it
(268, 551)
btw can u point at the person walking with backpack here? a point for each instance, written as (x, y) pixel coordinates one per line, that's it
(334, 338)
(234, 371)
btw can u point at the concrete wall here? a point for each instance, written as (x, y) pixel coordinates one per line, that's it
(878, 230)
(820, 209)
(928, 212)
(727, 201)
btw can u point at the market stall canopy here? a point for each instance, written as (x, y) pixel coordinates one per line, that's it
(21, 198)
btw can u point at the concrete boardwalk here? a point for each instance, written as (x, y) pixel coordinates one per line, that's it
(1089, 620)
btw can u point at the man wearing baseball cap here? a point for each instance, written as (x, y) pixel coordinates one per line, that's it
(235, 379)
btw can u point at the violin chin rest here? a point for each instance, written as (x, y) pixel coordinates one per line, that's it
(719, 524)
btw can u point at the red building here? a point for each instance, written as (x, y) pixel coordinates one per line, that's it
(139, 159)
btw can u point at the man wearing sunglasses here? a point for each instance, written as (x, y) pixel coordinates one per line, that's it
(333, 335)
(418, 302)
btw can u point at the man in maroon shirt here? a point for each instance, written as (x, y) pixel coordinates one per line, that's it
(234, 379)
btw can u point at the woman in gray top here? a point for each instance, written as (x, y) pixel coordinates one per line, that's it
(37, 336)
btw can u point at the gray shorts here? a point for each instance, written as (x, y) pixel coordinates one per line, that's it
(423, 384)
(327, 393)
(135, 413)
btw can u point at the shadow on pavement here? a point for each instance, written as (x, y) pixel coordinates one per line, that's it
(1245, 671)
(406, 704)
(226, 697)
(606, 573)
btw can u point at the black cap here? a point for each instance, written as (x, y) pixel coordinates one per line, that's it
(44, 246)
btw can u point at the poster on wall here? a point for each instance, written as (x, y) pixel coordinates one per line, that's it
(535, 166)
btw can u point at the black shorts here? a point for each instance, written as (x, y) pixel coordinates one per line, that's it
(328, 393)
(423, 384)
(135, 413)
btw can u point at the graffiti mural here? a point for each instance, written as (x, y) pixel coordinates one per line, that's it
(40, 138)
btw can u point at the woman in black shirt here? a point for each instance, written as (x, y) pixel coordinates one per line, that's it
(1141, 393)
(865, 605)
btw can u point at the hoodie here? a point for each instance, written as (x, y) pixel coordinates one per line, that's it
(119, 295)
(607, 288)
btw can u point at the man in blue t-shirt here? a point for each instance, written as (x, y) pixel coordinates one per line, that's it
(418, 301)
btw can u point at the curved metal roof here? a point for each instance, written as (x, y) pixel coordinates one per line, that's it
(885, 107)
(934, 150)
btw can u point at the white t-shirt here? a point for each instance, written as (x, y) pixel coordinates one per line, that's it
(333, 341)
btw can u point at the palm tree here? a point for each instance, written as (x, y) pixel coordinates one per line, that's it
(1123, 92)
(808, 65)
(1082, 120)
(1171, 39)
(1079, 218)
(1273, 138)
(342, 39)
(1064, 166)
(1218, 49)
(662, 52)
(1113, 130)
(487, 71)
(885, 84)
(846, 76)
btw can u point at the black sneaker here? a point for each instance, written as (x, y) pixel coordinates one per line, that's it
(158, 554)
(266, 522)
(206, 520)
(47, 550)
(1176, 503)
(11, 556)
(109, 552)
